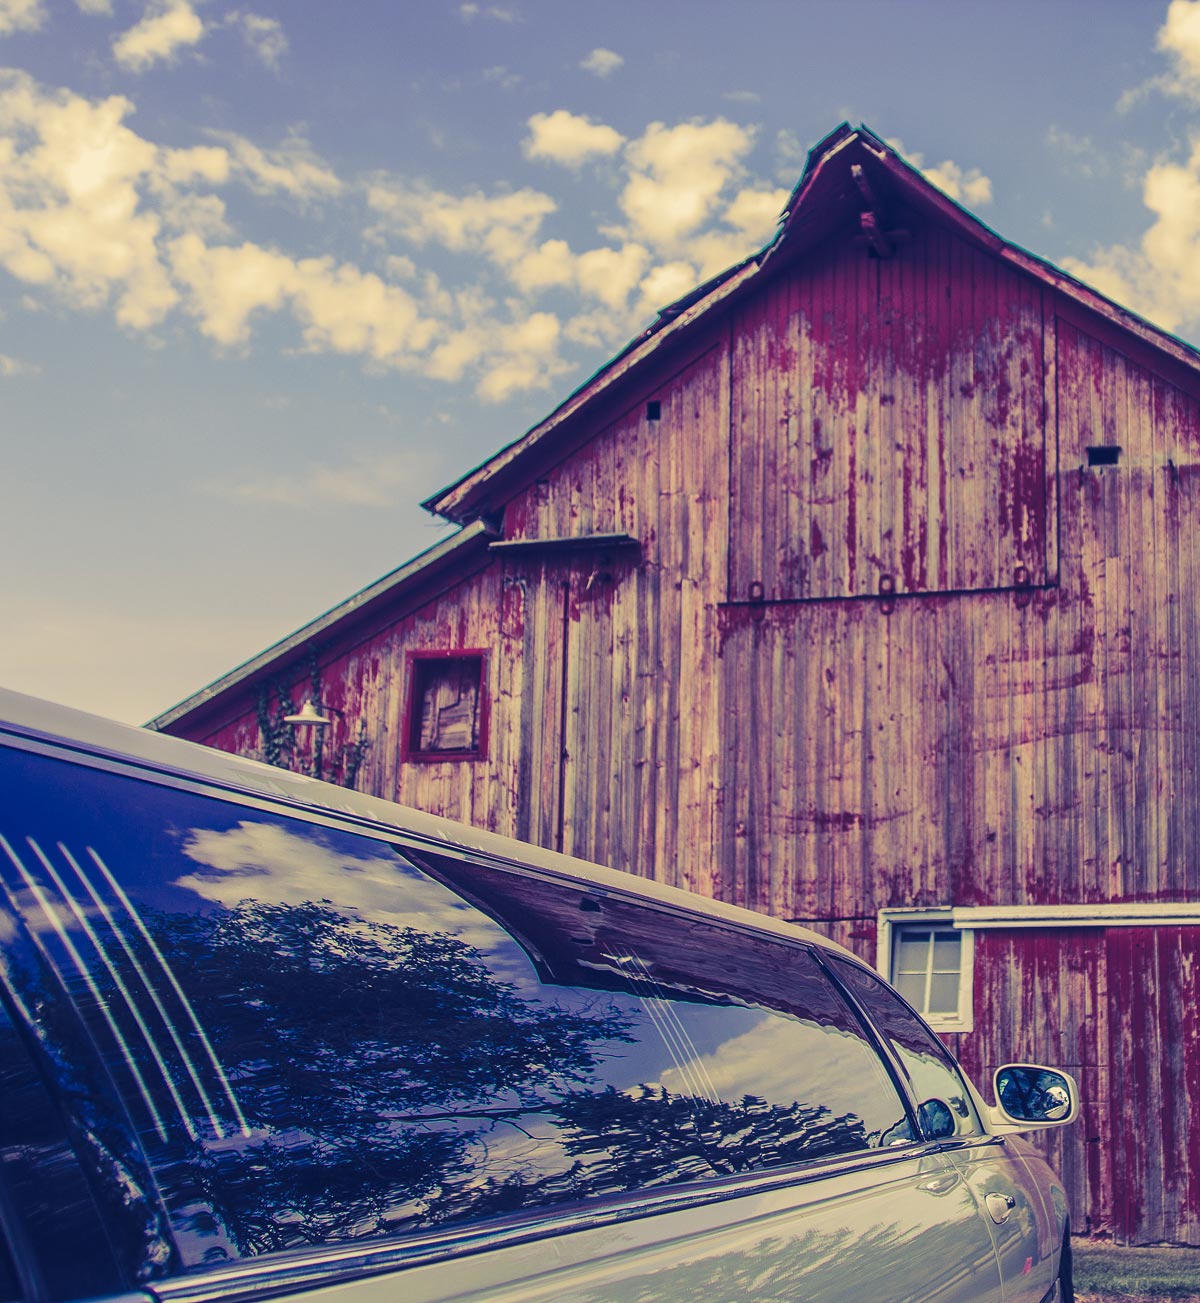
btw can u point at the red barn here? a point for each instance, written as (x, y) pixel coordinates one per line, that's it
(861, 589)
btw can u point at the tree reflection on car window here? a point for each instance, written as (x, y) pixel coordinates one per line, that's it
(320, 1041)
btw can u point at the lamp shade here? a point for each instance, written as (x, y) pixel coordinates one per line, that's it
(308, 714)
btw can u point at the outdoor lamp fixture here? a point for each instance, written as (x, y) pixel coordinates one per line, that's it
(309, 714)
(343, 761)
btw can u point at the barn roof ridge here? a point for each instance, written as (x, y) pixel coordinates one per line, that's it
(466, 497)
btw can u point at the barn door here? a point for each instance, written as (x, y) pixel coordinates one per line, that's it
(888, 426)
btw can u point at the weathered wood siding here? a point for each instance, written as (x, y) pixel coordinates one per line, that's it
(889, 420)
(367, 679)
(1116, 1007)
(1003, 747)
(639, 785)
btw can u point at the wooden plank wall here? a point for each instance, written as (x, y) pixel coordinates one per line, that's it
(640, 789)
(1117, 1008)
(1003, 747)
(888, 422)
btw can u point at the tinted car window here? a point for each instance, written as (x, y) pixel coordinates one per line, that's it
(320, 1040)
(45, 1201)
(945, 1103)
(10, 1285)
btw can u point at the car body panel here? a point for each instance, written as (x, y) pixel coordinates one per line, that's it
(898, 1229)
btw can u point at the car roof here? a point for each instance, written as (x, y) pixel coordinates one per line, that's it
(75, 730)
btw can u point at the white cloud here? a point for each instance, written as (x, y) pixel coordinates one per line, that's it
(365, 480)
(168, 27)
(500, 226)
(967, 186)
(1179, 38)
(497, 13)
(227, 285)
(567, 138)
(13, 366)
(1160, 277)
(503, 77)
(677, 175)
(293, 168)
(1080, 153)
(526, 359)
(264, 36)
(21, 16)
(602, 62)
(755, 213)
(750, 220)
(69, 201)
(101, 218)
(665, 284)
(279, 866)
(339, 307)
(611, 275)
(791, 153)
(761, 1061)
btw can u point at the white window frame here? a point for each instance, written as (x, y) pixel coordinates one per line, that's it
(893, 921)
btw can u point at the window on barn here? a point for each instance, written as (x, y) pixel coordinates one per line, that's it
(931, 963)
(447, 706)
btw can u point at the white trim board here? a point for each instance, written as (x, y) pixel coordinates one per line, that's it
(1135, 914)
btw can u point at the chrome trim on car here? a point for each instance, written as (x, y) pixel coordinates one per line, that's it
(272, 1274)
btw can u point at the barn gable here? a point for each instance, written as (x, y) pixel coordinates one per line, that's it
(885, 271)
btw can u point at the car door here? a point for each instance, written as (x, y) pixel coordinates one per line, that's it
(1004, 1190)
(1005, 1197)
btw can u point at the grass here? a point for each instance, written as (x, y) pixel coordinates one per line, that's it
(1107, 1273)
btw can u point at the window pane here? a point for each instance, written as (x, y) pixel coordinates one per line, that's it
(912, 952)
(947, 949)
(932, 1072)
(912, 987)
(45, 1199)
(321, 1041)
(10, 1286)
(943, 993)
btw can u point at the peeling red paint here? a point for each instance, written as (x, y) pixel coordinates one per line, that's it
(816, 544)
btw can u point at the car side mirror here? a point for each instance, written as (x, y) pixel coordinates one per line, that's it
(1029, 1096)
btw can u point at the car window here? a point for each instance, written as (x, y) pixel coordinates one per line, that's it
(946, 1108)
(320, 1040)
(45, 1200)
(10, 1285)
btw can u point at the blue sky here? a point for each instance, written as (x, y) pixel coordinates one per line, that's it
(271, 273)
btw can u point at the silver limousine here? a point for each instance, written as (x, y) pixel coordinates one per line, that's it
(262, 1037)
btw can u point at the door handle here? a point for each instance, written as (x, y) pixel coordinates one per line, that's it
(999, 1207)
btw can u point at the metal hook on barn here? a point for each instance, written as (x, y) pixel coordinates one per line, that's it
(887, 594)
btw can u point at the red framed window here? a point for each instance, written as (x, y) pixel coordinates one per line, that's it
(446, 709)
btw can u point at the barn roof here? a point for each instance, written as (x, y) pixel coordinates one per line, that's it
(851, 177)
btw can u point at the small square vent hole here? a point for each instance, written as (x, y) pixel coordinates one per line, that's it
(654, 410)
(1104, 455)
